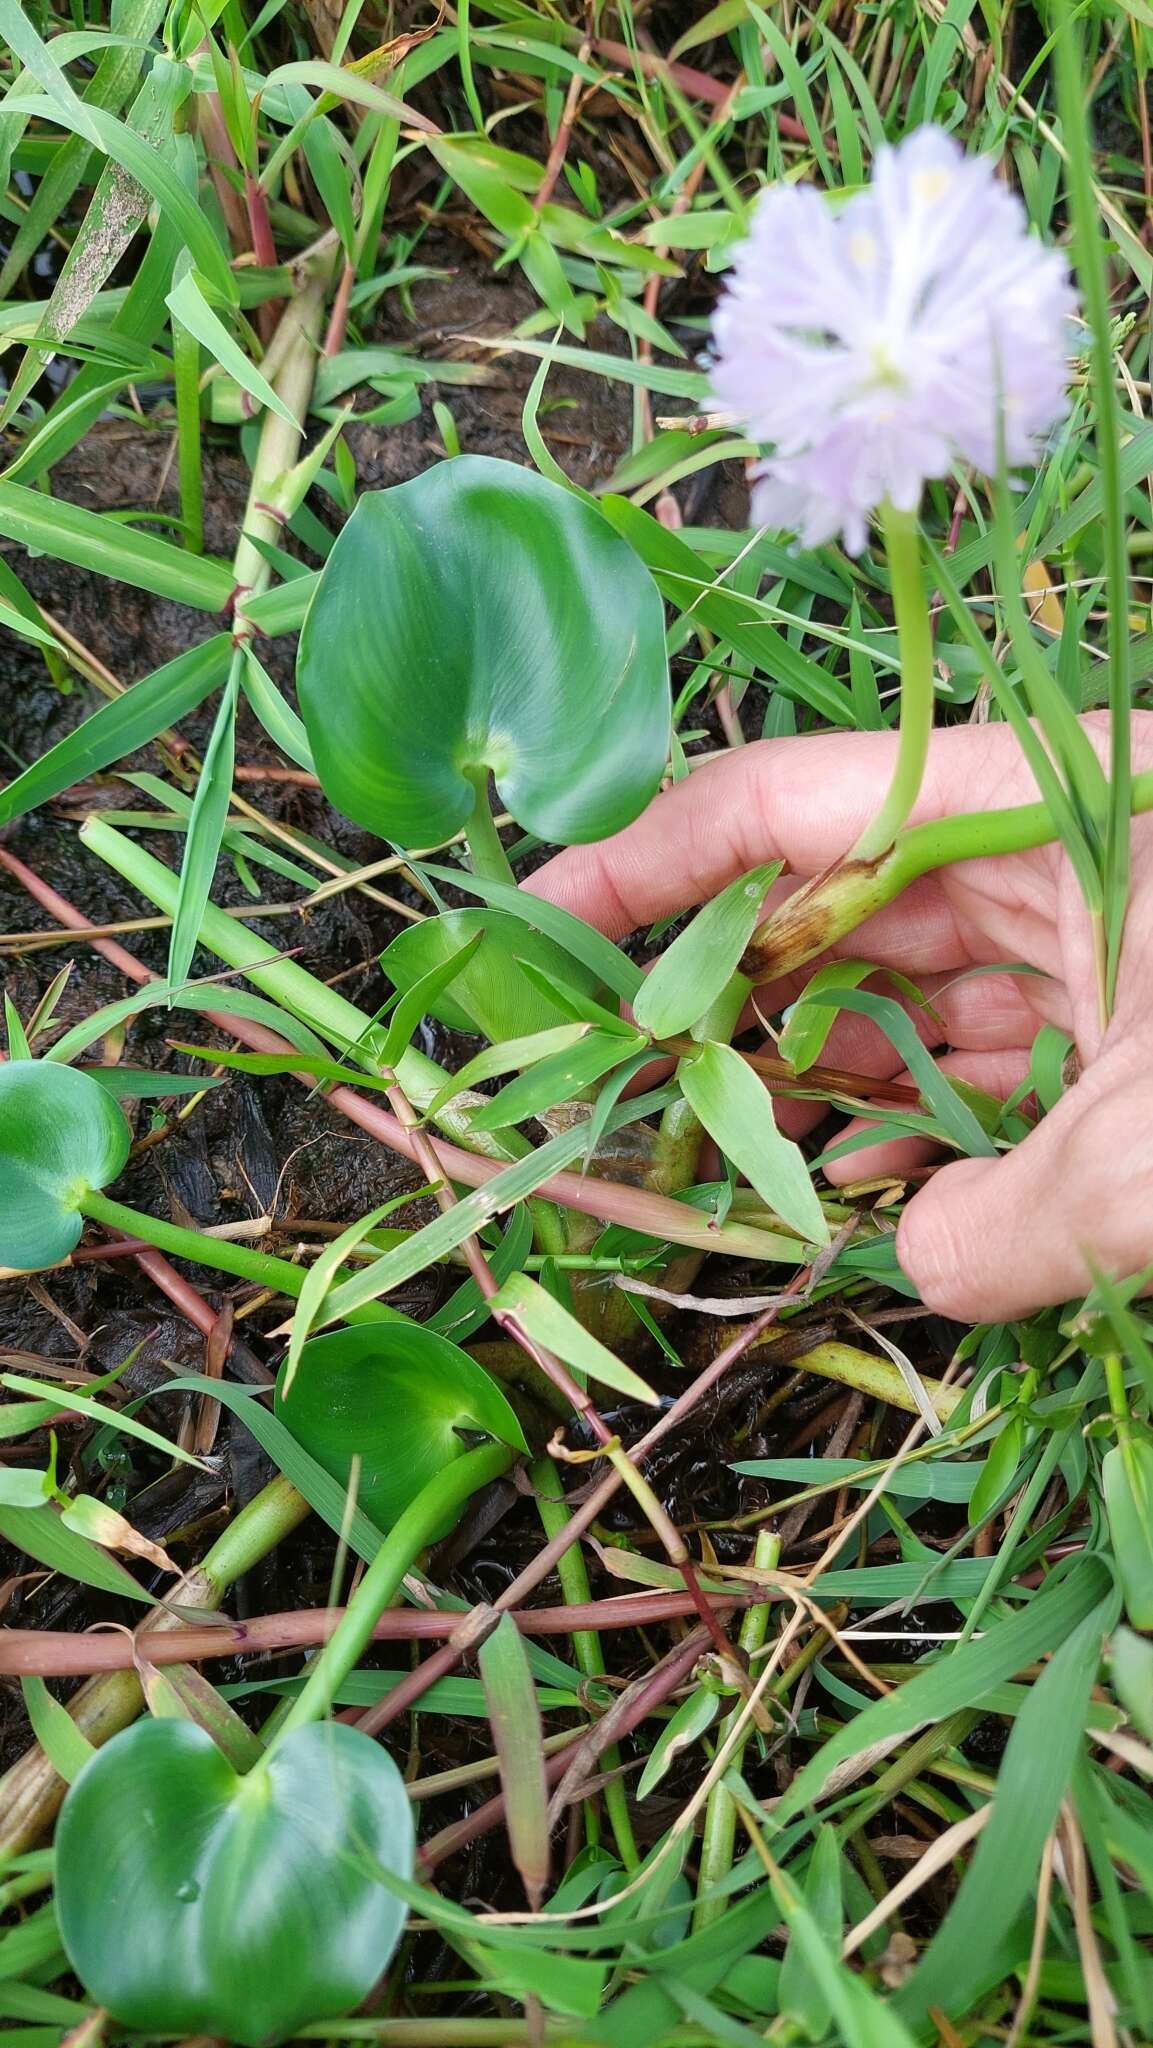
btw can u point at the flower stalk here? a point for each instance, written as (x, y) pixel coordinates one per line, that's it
(915, 649)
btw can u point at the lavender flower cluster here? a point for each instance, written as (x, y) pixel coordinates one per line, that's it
(873, 348)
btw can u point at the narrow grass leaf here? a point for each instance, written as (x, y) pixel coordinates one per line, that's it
(1092, 277)
(808, 1023)
(205, 832)
(961, 1680)
(22, 39)
(467, 1310)
(1131, 1663)
(514, 1716)
(507, 1056)
(120, 726)
(275, 713)
(415, 1002)
(187, 304)
(702, 960)
(40, 1533)
(145, 164)
(324, 1494)
(549, 1323)
(737, 1111)
(63, 1744)
(955, 1118)
(802, 1995)
(114, 1418)
(1127, 1479)
(320, 1275)
(968, 1953)
(684, 1727)
(109, 547)
(557, 1079)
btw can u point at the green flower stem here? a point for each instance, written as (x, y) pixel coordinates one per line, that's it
(719, 1836)
(31, 1791)
(915, 649)
(835, 903)
(486, 854)
(444, 1496)
(219, 1252)
(587, 1649)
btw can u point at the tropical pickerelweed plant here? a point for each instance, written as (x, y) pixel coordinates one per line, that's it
(919, 328)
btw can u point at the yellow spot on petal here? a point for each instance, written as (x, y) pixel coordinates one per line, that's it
(863, 250)
(932, 185)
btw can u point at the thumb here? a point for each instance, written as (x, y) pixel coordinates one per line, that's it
(989, 1240)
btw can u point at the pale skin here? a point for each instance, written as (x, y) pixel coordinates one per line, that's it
(983, 1240)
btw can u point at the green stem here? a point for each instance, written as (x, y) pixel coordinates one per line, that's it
(219, 1252)
(485, 852)
(915, 649)
(835, 903)
(265, 1521)
(422, 1521)
(186, 379)
(571, 1570)
(1118, 1396)
(719, 1836)
(297, 340)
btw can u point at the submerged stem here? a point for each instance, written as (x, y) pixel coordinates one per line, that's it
(915, 648)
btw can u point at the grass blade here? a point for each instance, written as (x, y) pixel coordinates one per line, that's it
(514, 1716)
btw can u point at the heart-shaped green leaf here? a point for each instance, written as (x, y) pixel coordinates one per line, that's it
(194, 1901)
(396, 1396)
(60, 1134)
(491, 994)
(482, 618)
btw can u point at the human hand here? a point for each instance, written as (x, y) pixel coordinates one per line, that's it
(983, 1240)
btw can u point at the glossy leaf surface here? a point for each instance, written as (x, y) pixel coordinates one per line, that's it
(194, 1901)
(490, 994)
(396, 1396)
(480, 618)
(60, 1134)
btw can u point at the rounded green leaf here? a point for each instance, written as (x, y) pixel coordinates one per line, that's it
(482, 618)
(60, 1134)
(396, 1396)
(490, 994)
(195, 1901)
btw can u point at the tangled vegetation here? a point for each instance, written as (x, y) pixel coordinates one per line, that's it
(496, 1549)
